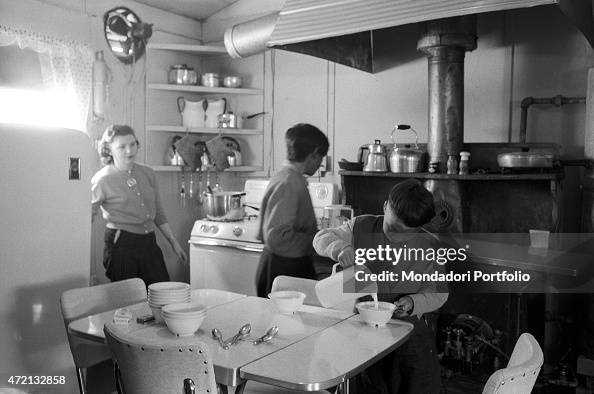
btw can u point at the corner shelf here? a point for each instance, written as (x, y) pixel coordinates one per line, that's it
(203, 89)
(204, 130)
(162, 116)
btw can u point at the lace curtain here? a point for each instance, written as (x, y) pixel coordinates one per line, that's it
(66, 68)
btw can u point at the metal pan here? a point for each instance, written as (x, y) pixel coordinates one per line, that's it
(525, 160)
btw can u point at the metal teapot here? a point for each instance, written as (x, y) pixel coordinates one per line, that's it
(406, 159)
(376, 160)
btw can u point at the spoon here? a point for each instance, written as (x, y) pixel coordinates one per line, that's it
(217, 334)
(243, 331)
(268, 336)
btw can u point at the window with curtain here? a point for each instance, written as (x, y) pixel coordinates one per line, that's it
(44, 80)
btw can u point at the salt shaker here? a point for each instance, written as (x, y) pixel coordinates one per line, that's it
(452, 164)
(464, 168)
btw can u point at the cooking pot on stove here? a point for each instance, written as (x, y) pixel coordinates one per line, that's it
(223, 206)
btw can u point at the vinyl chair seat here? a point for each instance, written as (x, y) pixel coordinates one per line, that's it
(150, 369)
(85, 301)
(522, 369)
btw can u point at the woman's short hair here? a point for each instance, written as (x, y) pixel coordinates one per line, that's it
(107, 138)
(412, 203)
(304, 139)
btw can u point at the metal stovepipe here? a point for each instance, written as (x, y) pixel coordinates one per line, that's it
(446, 41)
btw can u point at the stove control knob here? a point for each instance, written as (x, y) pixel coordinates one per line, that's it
(204, 228)
(237, 231)
(214, 229)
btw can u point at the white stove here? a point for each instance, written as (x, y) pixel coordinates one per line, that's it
(245, 230)
(225, 255)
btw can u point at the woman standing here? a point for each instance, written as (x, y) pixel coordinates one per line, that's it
(129, 199)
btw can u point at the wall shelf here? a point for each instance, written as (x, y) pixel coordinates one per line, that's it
(477, 177)
(204, 130)
(203, 89)
(191, 49)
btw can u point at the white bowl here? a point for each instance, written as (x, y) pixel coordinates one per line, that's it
(375, 317)
(184, 298)
(287, 301)
(184, 308)
(169, 286)
(184, 327)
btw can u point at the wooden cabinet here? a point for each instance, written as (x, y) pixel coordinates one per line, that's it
(163, 119)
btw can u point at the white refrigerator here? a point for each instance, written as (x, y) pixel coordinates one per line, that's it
(44, 247)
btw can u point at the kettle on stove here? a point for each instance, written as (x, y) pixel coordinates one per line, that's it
(407, 159)
(376, 160)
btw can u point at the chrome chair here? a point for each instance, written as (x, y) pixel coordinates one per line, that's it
(308, 287)
(86, 301)
(522, 369)
(145, 368)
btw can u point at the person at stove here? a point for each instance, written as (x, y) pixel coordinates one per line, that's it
(129, 200)
(413, 368)
(287, 220)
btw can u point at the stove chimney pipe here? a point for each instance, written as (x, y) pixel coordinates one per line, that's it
(445, 41)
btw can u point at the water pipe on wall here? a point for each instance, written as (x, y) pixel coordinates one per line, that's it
(557, 101)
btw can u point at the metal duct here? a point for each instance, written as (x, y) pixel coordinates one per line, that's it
(342, 30)
(588, 181)
(249, 38)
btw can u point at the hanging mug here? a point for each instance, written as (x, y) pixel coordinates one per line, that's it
(213, 110)
(192, 112)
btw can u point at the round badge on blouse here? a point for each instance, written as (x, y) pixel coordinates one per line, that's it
(131, 182)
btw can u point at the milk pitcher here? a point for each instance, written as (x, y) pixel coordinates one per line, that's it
(330, 291)
(213, 110)
(192, 112)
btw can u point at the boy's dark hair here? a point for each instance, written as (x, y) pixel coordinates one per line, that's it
(412, 203)
(304, 139)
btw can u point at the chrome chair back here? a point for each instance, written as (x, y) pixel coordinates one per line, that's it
(522, 369)
(146, 368)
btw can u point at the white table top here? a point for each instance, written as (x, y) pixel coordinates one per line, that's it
(91, 327)
(328, 357)
(336, 343)
(260, 313)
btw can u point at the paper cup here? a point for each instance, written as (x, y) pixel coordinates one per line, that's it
(539, 238)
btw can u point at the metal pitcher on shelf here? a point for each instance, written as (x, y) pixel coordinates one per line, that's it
(376, 160)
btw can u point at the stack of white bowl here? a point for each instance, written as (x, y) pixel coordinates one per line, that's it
(185, 318)
(165, 293)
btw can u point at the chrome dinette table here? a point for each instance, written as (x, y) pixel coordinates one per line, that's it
(315, 348)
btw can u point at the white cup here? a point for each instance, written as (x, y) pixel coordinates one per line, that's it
(539, 238)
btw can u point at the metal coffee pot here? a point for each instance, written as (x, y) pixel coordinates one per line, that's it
(406, 159)
(376, 160)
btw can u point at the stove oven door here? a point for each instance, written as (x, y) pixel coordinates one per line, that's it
(224, 265)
